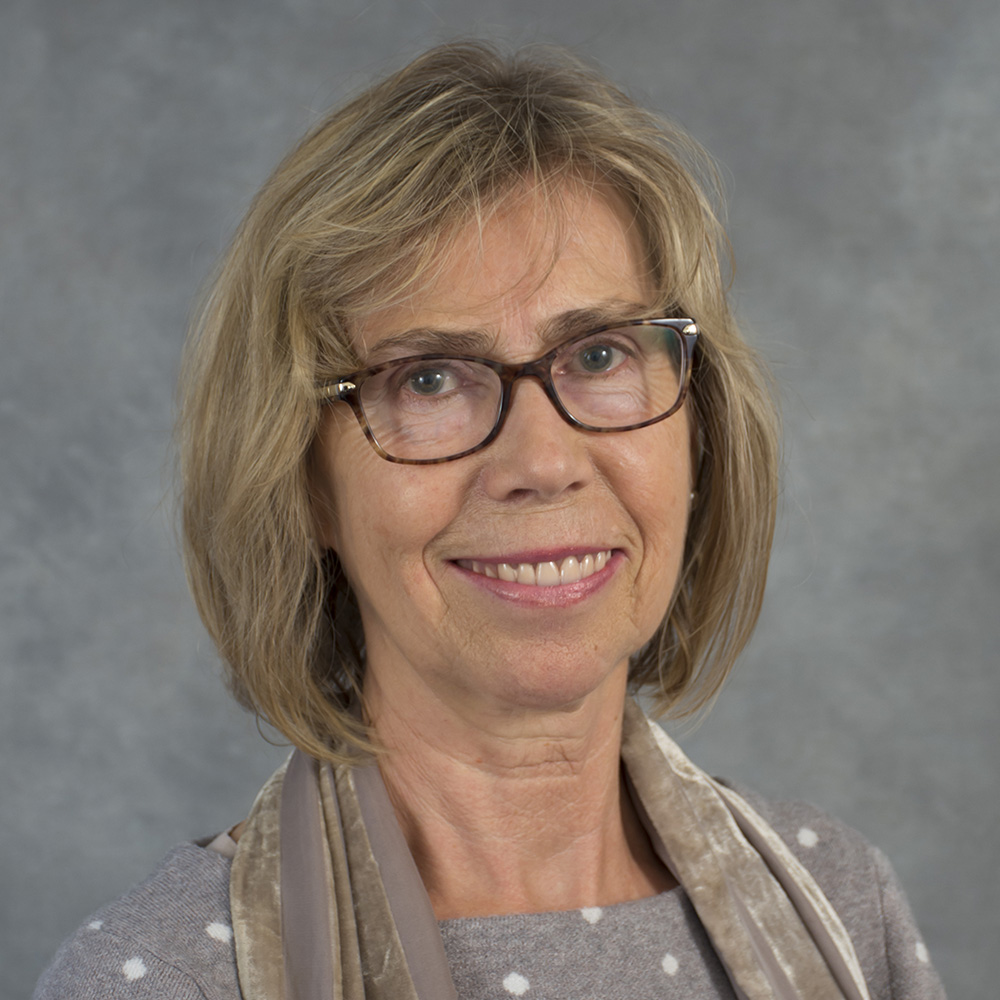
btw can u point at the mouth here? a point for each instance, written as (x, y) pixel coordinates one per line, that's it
(550, 573)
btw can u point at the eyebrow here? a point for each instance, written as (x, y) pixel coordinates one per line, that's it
(565, 325)
(428, 340)
(480, 343)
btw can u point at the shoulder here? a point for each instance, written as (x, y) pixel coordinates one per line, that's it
(170, 935)
(858, 880)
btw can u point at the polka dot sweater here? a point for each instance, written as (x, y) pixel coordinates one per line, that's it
(171, 936)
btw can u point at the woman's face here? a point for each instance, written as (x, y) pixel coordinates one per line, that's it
(436, 626)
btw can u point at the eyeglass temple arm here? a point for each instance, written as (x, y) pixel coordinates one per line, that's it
(336, 391)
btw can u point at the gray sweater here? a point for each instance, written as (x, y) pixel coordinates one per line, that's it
(170, 936)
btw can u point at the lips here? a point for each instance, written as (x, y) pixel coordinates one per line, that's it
(571, 569)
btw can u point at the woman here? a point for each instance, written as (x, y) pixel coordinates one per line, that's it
(472, 449)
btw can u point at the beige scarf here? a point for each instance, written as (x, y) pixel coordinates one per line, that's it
(327, 902)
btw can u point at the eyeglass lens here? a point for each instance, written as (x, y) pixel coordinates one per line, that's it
(422, 409)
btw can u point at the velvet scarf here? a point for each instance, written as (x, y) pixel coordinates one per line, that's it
(328, 904)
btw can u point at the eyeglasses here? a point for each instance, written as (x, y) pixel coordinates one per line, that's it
(433, 408)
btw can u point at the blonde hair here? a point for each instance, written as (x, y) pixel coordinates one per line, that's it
(354, 218)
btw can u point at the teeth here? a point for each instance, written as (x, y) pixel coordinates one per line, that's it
(569, 572)
(572, 569)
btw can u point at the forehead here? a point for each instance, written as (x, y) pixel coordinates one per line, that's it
(514, 278)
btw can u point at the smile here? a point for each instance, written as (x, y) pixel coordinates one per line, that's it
(572, 569)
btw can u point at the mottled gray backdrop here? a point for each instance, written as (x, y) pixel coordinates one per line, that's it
(861, 139)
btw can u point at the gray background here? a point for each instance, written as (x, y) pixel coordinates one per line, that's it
(862, 142)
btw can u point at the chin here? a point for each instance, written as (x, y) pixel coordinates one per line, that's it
(560, 687)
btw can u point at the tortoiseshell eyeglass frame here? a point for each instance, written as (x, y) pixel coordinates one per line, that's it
(346, 389)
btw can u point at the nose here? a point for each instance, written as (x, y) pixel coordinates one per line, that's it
(537, 453)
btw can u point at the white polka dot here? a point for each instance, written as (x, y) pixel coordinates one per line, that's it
(96, 925)
(670, 965)
(516, 983)
(591, 914)
(807, 837)
(221, 932)
(134, 968)
(922, 955)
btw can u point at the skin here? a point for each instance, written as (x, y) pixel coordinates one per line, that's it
(501, 705)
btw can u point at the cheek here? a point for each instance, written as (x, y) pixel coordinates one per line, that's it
(656, 485)
(386, 518)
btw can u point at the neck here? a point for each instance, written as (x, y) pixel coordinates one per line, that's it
(516, 813)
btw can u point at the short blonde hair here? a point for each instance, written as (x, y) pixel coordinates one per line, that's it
(354, 218)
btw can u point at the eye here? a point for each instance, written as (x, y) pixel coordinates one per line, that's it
(598, 357)
(430, 381)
